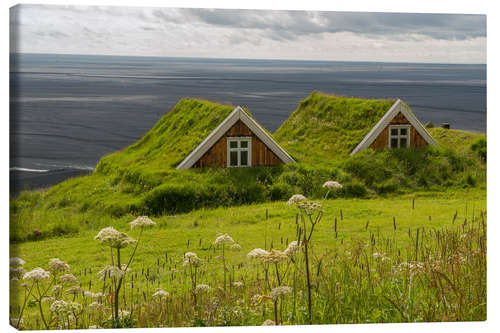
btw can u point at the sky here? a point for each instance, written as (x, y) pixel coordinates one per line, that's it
(255, 34)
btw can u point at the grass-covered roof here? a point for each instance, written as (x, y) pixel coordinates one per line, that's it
(326, 127)
(173, 137)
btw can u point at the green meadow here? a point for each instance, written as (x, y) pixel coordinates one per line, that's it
(403, 239)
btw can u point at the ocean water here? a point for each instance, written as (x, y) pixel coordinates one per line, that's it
(67, 111)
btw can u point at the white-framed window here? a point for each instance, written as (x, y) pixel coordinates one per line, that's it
(239, 152)
(399, 136)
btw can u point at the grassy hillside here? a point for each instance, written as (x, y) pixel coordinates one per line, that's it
(142, 179)
(326, 128)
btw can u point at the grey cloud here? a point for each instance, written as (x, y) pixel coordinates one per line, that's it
(291, 24)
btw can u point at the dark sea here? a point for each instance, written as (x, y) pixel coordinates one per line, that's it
(67, 111)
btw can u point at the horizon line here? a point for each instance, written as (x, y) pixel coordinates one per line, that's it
(264, 59)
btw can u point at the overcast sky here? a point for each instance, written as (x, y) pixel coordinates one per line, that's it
(249, 34)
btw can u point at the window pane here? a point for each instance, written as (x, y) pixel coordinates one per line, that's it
(402, 142)
(394, 131)
(244, 144)
(233, 158)
(402, 131)
(233, 144)
(244, 158)
(394, 143)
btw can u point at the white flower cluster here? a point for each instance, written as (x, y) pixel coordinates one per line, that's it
(90, 294)
(141, 222)
(95, 306)
(111, 272)
(238, 284)
(15, 261)
(269, 322)
(236, 247)
(292, 248)
(274, 257)
(56, 266)
(257, 253)
(309, 207)
(332, 185)
(121, 314)
(411, 267)
(256, 299)
(63, 308)
(202, 288)
(160, 293)
(280, 292)
(381, 256)
(36, 275)
(68, 278)
(223, 239)
(75, 290)
(114, 238)
(16, 272)
(191, 259)
(296, 198)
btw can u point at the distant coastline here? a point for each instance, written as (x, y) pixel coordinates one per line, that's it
(30, 180)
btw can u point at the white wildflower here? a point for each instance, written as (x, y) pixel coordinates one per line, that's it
(95, 327)
(160, 293)
(114, 238)
(223, 239)
(56, 265)
(121, 314)
(238, 284)
(332, 185)
(141, 222)
(257, 253)
(202, 288)
(236, 247)
(68, 278)
(292, 248)
(63, 308)
(256, 299)
(15, 261)
(191, 258)
(111, 272)
(280, 292)
(57, 289)
(269, 322)
(274, 257)
(95, 306)
(295, 199)
(90, 294)
(17, 272)
(75, 290)
(36, 275)
(309, 207)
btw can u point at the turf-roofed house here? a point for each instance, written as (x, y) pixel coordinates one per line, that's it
(238, 141)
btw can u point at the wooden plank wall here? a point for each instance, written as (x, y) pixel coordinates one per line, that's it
(217, 155)
(416, 140)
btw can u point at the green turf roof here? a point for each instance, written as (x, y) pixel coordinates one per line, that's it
(326, 127)
(173, 137)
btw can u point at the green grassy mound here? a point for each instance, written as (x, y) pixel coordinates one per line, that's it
(142, 179)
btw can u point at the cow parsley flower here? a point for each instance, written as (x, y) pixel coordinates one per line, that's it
(257, 253)
(16, 272)
(36, 275)
(332, 185)
(75, 290)
(90, 294)
(296, 198)
(15, 261)
(111, 272)
(114, 238)
(223, 239)
(191, 259)
(202, 288)
(141, 222)
(309, 207)
(121, 314)
(63, 308)
(68, 278)
(292, 248)
(269, 322)
(274, 257)
(236, 247)
(238, 284)
(280, 292)
(160, 293)
(56, 266)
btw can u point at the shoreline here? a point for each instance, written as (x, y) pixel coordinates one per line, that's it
(25, 180)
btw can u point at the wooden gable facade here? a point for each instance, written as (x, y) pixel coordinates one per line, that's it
(239, 141)
(261, 155)
(398, 128)
(415, 139)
